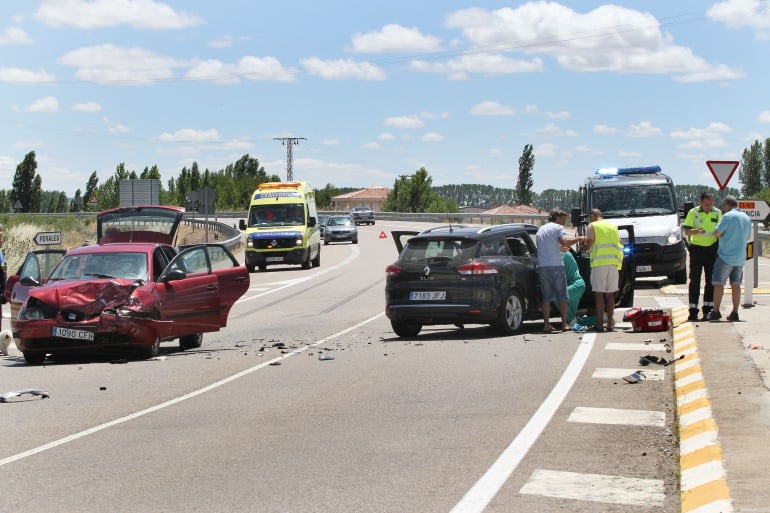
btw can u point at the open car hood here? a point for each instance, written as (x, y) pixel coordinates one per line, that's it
(157, 224)
(90, 297)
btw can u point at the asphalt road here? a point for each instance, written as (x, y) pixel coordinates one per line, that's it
(256, 421)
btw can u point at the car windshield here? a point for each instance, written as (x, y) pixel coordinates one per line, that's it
(438, 249)
(634, 201)
(86, 266)
(339, 221)
(283, 214)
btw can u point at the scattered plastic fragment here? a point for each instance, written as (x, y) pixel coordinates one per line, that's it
(275, 363)
(579, 327)
(756, 346)
(158, 358)
(325, 357)
(29, 391)
(635, 377)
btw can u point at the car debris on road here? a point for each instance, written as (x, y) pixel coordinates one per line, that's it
(27, 391)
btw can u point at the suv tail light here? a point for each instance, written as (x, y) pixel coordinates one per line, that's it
(476, 267)
(392, 270)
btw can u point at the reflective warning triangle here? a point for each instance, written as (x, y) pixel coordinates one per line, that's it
(382, 235)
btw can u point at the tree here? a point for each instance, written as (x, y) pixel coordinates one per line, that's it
(26, 185)
(525, 182)
(93, 183)
(415, 194)
(76, 205)
(751, 170)
(766, 163)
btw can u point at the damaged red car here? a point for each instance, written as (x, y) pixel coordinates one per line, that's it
(133, 289)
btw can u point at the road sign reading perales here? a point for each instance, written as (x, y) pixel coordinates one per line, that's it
(47, 238)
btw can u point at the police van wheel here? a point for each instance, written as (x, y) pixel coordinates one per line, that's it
(680, 277)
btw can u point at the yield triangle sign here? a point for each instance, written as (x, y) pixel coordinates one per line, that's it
(382, 235)
(722, 171)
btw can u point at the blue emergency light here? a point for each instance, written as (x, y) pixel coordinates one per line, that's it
(620, 171)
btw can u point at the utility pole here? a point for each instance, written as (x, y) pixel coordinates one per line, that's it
(289, 142)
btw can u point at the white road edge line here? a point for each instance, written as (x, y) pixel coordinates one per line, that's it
(296, 281)
(485, 489)
(171, 402)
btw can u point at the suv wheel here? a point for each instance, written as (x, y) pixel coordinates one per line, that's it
(406, 328)
(511, 314)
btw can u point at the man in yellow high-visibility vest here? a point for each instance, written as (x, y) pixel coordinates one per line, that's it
(606, 252)
(699, 225)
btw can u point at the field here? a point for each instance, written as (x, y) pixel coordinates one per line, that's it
(19, 235)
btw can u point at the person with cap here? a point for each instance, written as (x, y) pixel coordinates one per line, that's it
(606, 252)
(733, 231)
(699, 225)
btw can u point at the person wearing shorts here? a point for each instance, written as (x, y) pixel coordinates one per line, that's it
(733, 231)
(606, 252)
(551, 237)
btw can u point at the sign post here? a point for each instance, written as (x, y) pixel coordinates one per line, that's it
(757, 210)
(47, 238)
(722, 171)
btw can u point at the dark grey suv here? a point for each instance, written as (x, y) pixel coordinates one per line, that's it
(472, 275)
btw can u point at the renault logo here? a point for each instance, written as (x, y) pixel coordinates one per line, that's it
(273, 242)
(426, 271)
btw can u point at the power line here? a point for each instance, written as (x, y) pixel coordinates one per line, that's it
(289, 142)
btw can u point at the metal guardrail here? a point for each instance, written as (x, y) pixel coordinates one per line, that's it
(229, 236)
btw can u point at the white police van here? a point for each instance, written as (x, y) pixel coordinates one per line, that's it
(643, 197)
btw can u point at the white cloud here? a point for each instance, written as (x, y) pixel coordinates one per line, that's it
(605, 130)
(545, 150)
(47, 104)
(330, 142)
(87, 107)
(582, 148)
(255, 69)
(608, 38)
(404, 122)
(699, 138)
(629, 154)
(341, 69)
(492, 108)
(26, 145)
(222, 42)
(559, 115)
(743, 13)
(115, 128)
(386, 136)
(432, 137)
(190, 135)
(551, 130)
(495, 151)
(371, 146)
(14, 36)
(111, 64)
(7, 165)
(395, 38)
(24, 76)
(644, 129)
(764, 116)
(479, 63)
(89, 14)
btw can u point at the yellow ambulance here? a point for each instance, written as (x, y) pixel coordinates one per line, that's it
(282, 226)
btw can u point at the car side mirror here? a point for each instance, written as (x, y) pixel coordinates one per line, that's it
(242, 224)
(311, 222)
(173, 275)
(29, 281)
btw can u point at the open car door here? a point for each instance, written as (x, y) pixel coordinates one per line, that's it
(400, 238)
(36, 267)
(198, 288)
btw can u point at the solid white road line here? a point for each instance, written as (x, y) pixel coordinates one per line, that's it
(76, 436)
(477, 498)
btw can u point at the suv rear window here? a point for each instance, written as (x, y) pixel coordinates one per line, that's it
(432, 250)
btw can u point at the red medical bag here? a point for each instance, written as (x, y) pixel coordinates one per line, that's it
(648, 319)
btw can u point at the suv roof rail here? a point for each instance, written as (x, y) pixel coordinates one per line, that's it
(506, 225)
(449, 227)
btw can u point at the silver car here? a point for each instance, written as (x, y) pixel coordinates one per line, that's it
(340, 228)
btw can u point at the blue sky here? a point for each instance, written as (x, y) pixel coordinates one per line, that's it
(380, 89)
